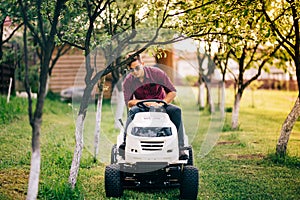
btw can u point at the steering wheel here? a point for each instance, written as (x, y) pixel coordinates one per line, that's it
(141, 104)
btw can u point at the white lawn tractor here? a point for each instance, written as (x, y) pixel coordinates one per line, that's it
(151, 156)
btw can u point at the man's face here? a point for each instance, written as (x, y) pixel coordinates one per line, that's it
(136, 69)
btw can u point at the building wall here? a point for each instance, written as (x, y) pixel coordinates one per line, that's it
(65, 71)
(69, 71)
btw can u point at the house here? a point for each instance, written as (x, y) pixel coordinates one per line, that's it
(69, 71)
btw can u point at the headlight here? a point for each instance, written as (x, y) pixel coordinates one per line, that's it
(151, 131)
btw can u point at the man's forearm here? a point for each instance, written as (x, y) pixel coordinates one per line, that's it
(132, 102)
(170, 97)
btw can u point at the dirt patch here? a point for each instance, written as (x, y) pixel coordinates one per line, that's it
(13, 183)
(245, 156)
(227, 142)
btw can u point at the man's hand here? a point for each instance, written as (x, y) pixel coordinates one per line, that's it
(135, 101)
(132, 103)
(154, 104)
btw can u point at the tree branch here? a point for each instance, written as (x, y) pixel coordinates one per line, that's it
(60, 51)
(59, 35)
(191, 9)
(40, 24)
(13, 32)
(262, 65)
(26, 22)
(27, 84)
(252, 56)
(274, 28)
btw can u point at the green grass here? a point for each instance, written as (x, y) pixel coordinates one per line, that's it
(241, 165)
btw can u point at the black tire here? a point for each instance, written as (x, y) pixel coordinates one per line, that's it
(189, 183)
(191, 158)
(113, 181)
(114, 153)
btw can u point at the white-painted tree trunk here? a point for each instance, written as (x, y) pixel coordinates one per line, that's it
(78, 150)
(98, 124)
(33, 184)
(222, 100)
(120, 108)
(210, 98)
(287, 128)
(235, 111)
(201, 95)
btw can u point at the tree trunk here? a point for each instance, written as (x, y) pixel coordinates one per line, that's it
(98, 119)
(79, 135)
(119, 108)
(47, 85)
(78, 150)
(210, 98)
(35, 123)
(222, 100)
(35, 163)
(235, 111)
(1, 45)
(287, 128)
(201, 97)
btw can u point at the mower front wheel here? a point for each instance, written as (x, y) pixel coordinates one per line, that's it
(113, 181)
(189, 183)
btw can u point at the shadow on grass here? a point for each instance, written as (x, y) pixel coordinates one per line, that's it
(288, 161)
(152, 193)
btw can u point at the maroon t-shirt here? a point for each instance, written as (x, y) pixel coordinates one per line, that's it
(156, 85)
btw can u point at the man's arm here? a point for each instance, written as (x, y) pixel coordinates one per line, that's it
(132, 102)
(168, 99)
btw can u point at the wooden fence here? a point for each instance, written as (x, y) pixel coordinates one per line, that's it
(6, 72)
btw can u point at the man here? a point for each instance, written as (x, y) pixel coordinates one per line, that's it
(145, 82)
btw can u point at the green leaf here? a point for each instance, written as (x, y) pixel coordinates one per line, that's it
(246, 12)
(217, 23)
(268, 33)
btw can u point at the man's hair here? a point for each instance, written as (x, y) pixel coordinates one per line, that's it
(133, 58)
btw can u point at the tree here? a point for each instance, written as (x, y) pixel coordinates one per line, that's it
(200, 59)
(283, 20)
(244, 32)
(243, 65)
(251, 51)
(91, 13)
(93, 9)
(85, 16)
(115, 21)
(221, 61)
(44, 34)
(205, 76)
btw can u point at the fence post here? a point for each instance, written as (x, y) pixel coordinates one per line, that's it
(9, 90)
